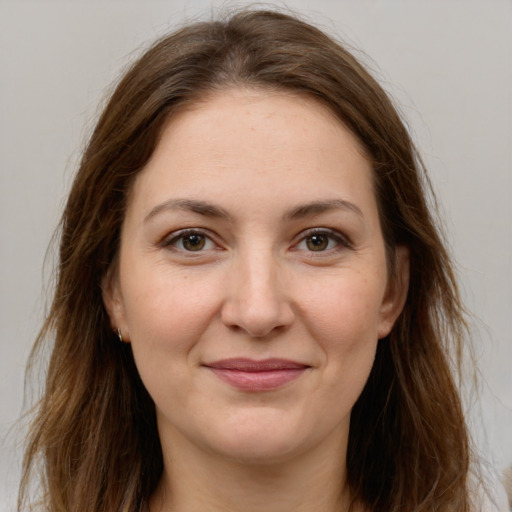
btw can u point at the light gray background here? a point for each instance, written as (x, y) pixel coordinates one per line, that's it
(447, 62)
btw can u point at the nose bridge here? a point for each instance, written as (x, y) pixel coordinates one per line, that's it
(260, 278)
(257, 300)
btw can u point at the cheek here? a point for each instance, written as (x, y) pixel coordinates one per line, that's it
(167, 317)
(167, 311)
(344, 320)
(346, 309)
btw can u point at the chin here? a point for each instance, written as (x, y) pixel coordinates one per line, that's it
(260, 439)
(261, 451)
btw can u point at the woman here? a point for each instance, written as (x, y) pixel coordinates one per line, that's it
(254, 309)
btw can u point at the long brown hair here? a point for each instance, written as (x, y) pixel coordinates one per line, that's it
(94, 438)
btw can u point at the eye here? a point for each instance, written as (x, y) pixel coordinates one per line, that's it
(190, 241)
(318, 242)
(322, 241)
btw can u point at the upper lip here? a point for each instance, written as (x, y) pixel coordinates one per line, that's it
(250, 365)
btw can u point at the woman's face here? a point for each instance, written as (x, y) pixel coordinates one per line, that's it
(252, 280)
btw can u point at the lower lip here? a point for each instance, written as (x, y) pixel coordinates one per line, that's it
(258, 381)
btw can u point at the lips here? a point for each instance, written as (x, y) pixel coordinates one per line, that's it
(250, 375)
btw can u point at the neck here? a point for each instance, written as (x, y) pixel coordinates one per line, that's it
(194, 480)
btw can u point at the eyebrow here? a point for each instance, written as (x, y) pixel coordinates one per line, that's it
(211, 210)
(317, 207)
(191, 205)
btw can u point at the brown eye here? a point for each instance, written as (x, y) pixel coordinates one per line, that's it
(190, 240)
(322, 240)
(317, 242)
(193, 242)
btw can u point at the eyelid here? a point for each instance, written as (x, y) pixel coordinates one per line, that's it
(173, 237)
(341, 239)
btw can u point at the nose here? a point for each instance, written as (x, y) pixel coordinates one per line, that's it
(257, 301)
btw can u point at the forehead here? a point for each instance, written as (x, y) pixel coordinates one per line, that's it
(258, 144)
(238, 116)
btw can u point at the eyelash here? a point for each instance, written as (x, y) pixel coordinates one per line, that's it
(341, 241)
(182, 235)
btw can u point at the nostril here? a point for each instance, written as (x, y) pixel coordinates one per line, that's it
(257, 321)
(255, 300)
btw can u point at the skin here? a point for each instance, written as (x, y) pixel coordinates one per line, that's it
(252, 173)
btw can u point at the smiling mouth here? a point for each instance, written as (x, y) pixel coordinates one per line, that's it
(254, 376)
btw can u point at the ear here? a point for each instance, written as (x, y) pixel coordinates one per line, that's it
(112, 299)
(396, 292)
